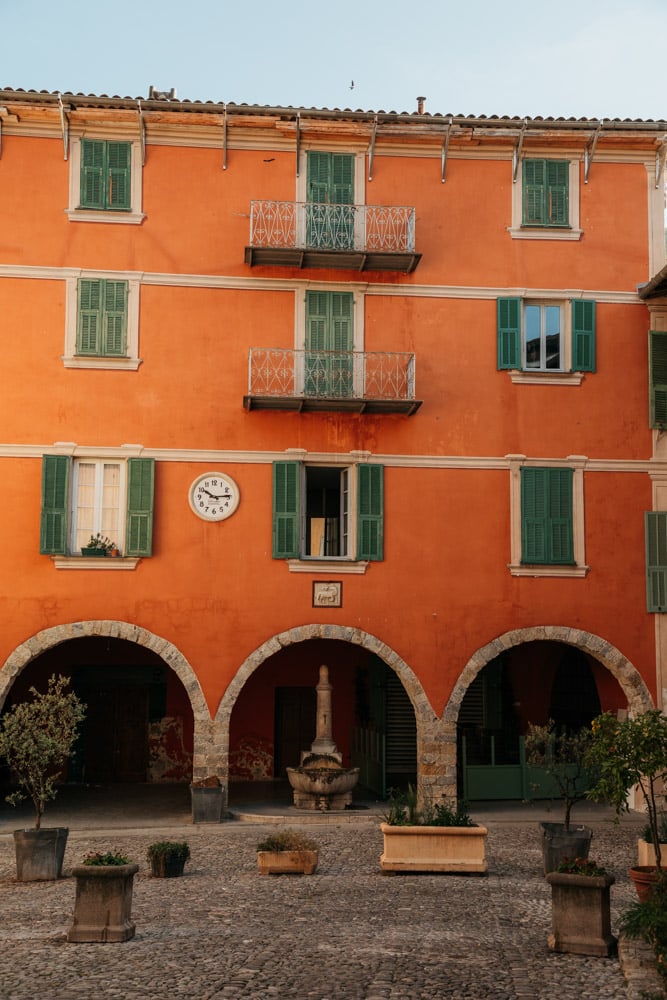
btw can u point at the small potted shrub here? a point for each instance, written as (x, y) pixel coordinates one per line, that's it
(167, 858)
(103, 903)
(580, 908)
(287, 851)
(433, 837)
(560, 755)
(36, 739)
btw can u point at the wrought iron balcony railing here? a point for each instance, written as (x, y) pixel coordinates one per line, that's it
(355, 381)
(305, 234)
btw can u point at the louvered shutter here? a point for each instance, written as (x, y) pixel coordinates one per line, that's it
(370, 512)
(657, 378)
(318, 177)
(561, 541)
(93, 169)
(583, 335)
(55, 486)
(557, 176)
(341, 343)
(534, 192)
(509, 333)
(89, 316)
(533, 516)
(655, 524)
(285, 544)
(546, 516)
(114, 318)
(318, 315)
(140, 494)
(119, 183)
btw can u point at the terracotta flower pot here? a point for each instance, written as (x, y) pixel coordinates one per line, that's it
(644, 878)
(286, 862)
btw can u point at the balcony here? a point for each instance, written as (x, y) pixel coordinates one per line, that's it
(339, 381)
(345, 237)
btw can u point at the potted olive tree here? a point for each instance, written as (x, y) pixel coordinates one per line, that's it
(431, 837)
(36, 738)
(561, 756)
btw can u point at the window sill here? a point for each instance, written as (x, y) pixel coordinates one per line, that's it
(545, 377)
(545, 233)
(326, 566)
(552, 571)
(81, 562)
(91, 215)
(120, 364)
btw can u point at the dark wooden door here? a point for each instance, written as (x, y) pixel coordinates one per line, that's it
(295, 725)
(116, 733)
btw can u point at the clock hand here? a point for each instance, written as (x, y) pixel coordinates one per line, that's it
(215, 496)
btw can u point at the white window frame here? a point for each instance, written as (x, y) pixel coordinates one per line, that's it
(520, 232)
(515, 566)
(99, 463)
(347, 517)
(553, 376)
(76, 214)
(131, 360)
(300, 334)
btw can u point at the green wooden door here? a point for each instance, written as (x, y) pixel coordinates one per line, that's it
(329, 345)
(330, 197)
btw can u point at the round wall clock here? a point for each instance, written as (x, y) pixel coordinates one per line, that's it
(214, 496)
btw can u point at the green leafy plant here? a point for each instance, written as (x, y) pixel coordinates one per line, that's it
(170, 850)
(99, 858)
(36, 738)
(287, 840)
(628, 753)
(404, 811)
(561, 755)
(580, 866)
(648, 921)
(100, 541)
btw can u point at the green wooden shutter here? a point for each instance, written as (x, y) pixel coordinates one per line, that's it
(546, 516)
(55, 487)
(119, 183)
(286, 510)
(89, 316)
(657, 366)
(557, 207)
(370, 512)
(114, 318)
(140, 495)
(318, 317)
(583, 335)
(545, 192)
(534, 192)
(93, 171)
(341, 341)
(509, 333)
(655, 523)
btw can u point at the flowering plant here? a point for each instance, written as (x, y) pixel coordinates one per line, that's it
(628, 753)
(580, 866)
(100, 541)
(99, 858)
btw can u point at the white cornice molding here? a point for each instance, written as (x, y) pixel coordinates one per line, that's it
(237, 282)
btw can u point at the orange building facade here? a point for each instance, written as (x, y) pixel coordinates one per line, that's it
(365, 390)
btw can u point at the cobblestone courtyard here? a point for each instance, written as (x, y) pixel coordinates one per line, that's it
(346, 933)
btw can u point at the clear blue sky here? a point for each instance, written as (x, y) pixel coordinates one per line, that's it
(581, 58)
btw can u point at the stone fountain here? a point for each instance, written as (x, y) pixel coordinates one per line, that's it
(321, 781)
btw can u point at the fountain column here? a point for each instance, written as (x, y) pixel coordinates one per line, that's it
(323, 742)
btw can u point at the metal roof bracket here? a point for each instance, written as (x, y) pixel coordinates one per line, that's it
(589, 151)
(516, 152)
(64, 125)
(371, 151)
(142, 132)
(224, 139)
(660, 153)
(443, 154)
(298, 141)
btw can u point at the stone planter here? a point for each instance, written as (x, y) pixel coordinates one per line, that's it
(103, 903)
(581, 921)
(559, 844)
(434, 849)
(646, 854)
(206, 804)
(40, 853)
(286, 862)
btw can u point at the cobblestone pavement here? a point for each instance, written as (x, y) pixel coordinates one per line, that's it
(345, 933)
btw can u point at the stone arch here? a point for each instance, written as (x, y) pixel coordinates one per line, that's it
(42, 641)
(426, 719)
(629, 678)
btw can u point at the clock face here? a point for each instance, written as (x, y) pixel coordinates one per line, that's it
(214, 496)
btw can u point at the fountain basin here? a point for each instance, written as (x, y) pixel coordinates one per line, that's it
(323, 780)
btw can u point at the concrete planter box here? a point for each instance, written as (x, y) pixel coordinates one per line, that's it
(40, 853)
(286, 862)
(103, 904)
(646, 854)
(581, 922)
(434, 849)
(206, 803)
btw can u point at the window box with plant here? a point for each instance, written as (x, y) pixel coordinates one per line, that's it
(167, 858)
(103, 902)
(287, 852)
(580, 908)
(36, 739)
(560, 755)
(99, 545)
(434, 837)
